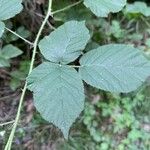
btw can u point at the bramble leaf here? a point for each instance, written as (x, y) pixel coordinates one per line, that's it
(58, 94)
(66, 43)
(115, 68)
(102, 8)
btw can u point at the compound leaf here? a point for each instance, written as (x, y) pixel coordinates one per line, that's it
(58, 94)
(2, 27)
(102, 8)
(66, 43)
(115, 68)
(9, 8)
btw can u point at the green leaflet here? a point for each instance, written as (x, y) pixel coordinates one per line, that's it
(7, 52)
(66, 43)
(8, 9)
(10, 51)
(102, 8)
(115, 68)
(4, 62)
(58, 94)
(2, 27)
(138, 7)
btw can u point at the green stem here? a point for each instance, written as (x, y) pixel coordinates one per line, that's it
(11, 136)
(10, 140)
(30, 43)
(66, 8)
(39, 34)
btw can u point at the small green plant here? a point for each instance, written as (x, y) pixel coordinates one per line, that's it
(112, 117)
(57, 83)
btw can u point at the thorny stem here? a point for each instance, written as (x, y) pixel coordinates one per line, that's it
(10, 140)
(67, 7)
(30, 43)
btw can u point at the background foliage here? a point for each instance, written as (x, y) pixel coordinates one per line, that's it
(109, 121)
